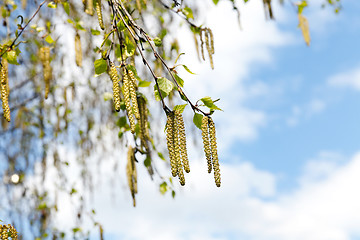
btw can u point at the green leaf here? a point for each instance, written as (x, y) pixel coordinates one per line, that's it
(173, 193)
(165, 85)
(144, 84)
(95, 32)
(198, 120)
(179, 80)
(163, 188)
(157, 42)
(215, 2)
(73, 190)
(52, 5)
(100, 66)
(161, 156)
(42, 206)
(188, 12)
(49, 40)
(209, 103)
(246, 1)
(147, 162)
(11, 56)
(121, 122)
(177, 58)
(66, 7)
(180, 108)
(187, 69)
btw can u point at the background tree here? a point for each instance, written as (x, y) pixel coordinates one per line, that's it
(51, 99)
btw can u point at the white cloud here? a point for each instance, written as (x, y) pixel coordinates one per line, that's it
(299, 113)
(349, 79)
(324, 208)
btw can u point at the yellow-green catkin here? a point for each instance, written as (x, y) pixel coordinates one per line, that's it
(5, 89)
(170, 142)
(89, 7)
(214, 154)
(127, 99)
(116, 88)
(206, 141)
(202, 43)
(78, 50)
(209, 45)
(132, 89)
(143, 123)
(138, 5)
(47, 71)
(131, 173)
(182, 139)
(8, 231)
(178, 162)
(99, 13)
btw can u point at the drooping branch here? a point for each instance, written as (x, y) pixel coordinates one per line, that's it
(23, 28)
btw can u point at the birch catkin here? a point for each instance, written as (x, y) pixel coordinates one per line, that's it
(5, 89)
(8, 231)
(89, 8)
(170, 142)
(127, 99)
(116, 88)
(131, 173)
(99, 13)
(182, 140)
(132, 89)
(206, 141)
(214, 154)
(210, 148)
(178, 162)
(78, 50)
(47, 71)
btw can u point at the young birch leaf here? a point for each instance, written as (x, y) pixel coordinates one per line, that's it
(163, 188)
(198, 120)
(179, 80)
(49, 40)
(100, 66)
(165, 85)
(11, 57)
(188, 70)
(209, 103)
(157, 42)
(144, 84)
(180, 108)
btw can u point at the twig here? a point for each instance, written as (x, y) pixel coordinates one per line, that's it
(23, 28)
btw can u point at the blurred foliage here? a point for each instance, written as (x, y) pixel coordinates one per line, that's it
(64, 128)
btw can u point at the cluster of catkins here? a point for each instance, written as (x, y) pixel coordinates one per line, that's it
(176, 143)
(8, 231)
(209, 42)
(89, 9)
(4, 82)
(210, 147)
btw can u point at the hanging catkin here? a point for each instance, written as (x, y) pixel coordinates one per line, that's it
(304, 26)
(99, 13)
(214, 154)
(178, 162)
(78, 50)
(210, 148)
(89, 7)
(8, 231)
(206, 141)
(116, 88)
(133, 97)
(170, 142)
(47, 71)
(182, 140)
(5, 89)
(131, 173)
(127, 99)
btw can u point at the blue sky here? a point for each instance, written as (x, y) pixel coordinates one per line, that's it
(288, 137)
